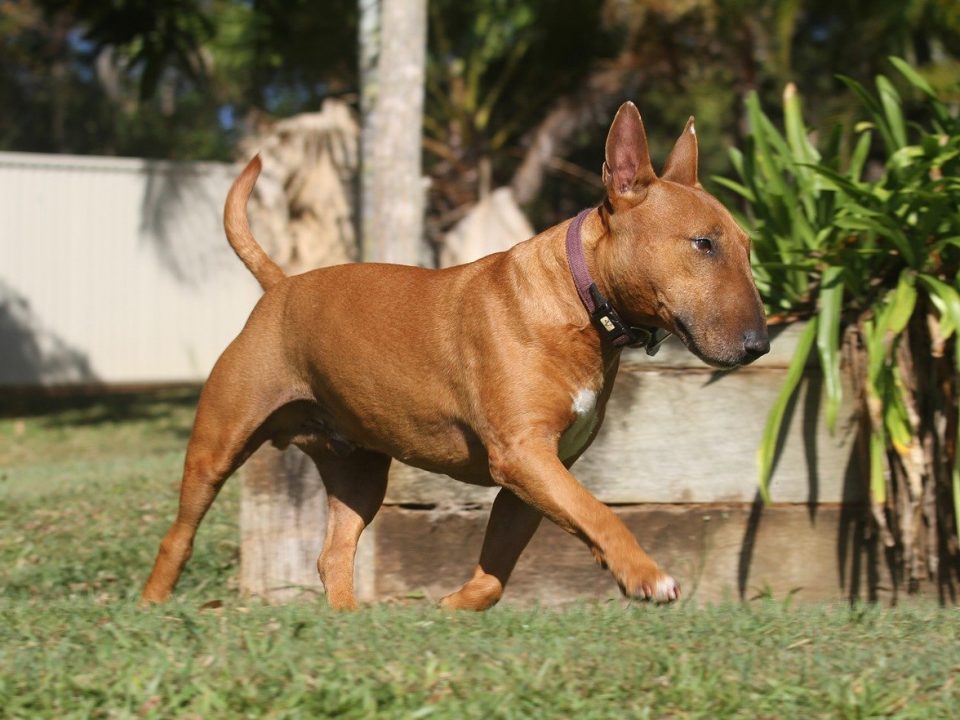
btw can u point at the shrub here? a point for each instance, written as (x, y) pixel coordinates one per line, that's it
(866, 246)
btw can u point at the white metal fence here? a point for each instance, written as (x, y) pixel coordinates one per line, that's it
(115, 270)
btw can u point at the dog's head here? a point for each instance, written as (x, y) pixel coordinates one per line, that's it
(673, 255)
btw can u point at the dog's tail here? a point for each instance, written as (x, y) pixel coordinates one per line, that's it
(237, 227)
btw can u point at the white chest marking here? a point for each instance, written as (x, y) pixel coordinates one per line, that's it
(585, 419)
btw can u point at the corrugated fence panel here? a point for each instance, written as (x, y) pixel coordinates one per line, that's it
(115, 270)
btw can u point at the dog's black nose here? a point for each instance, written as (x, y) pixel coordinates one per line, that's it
(756, 343)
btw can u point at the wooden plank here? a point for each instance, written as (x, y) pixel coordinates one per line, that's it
(689, 437)
(283, 519)
(719, 552)
(692, 438)
(283, 511)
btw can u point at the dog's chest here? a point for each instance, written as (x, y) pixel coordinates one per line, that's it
(585, 418)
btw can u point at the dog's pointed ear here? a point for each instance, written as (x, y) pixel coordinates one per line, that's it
(627, 170)
(681, 165)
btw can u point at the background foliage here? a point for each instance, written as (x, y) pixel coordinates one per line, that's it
(185, 79)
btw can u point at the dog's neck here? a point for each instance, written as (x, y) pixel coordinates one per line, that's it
(636, 307)
(545, 257)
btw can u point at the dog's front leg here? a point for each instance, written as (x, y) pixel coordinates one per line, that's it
(511, 525)
(531, 470)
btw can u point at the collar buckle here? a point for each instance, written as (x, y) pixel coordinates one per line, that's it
(607, 320)
(649, 338)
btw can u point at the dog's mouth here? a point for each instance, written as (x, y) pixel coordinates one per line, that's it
(686, 337)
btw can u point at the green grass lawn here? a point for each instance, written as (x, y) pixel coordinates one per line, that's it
(87, 489)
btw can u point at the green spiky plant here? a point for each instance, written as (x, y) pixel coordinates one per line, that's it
(867, 250)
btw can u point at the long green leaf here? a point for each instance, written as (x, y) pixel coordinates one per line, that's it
(875, 109)
(859, 156)
(903, 302)
(892, 111)
(853, 189)
(956, 457)
(803, 152)
(800, 146)
(767, 452)
(736, 187)
(762, 135)
(912, 76)
(736, 160)
(878, 482)
(895, 418)
(947, 301)
(859, 218)
(892, 317)
(953, 240)
(866, 99)
(956, 489)
(828, 339)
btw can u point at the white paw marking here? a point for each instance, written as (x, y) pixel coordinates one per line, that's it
(666, 590)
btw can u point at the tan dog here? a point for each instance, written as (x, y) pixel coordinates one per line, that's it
(493, 372)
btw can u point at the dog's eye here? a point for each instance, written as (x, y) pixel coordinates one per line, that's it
(704, 245)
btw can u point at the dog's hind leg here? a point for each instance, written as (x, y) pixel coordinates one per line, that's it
(356, 485)
(230, 424)
(511, 525)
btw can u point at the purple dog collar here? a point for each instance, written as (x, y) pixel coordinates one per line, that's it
(602, 314)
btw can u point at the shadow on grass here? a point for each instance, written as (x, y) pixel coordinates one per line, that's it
(90, 408)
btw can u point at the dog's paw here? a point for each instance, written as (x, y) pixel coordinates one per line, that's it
(663, 589)
(479, 593)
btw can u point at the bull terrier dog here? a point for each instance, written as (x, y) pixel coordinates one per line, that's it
(496, 372)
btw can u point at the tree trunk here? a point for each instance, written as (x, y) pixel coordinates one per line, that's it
(392, 191)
